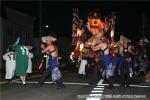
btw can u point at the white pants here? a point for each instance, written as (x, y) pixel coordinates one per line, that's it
(29, 69)
(10, 69)
(82, 67)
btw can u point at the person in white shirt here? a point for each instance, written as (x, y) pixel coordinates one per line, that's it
(10, 63)
(83, 64)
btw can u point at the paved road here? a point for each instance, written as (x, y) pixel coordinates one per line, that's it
(134, 92)
(77, 89)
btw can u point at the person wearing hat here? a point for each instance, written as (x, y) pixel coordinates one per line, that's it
(53, 63)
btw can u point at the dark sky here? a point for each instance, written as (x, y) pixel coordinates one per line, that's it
(58, 15)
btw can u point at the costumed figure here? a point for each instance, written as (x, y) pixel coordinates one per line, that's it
(22, 54)
(53, 63)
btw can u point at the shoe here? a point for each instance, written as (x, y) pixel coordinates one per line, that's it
(23, 85)
(80, 76)
(127, 85)
(62, 87)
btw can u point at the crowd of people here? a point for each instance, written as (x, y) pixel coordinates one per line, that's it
(18, 61)
(120, 63)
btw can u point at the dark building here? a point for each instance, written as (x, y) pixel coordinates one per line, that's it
(14, 23)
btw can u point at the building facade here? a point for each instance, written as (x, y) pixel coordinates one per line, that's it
(14, 23)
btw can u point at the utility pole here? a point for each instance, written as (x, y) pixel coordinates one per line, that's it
(40, 19)
(40, 25)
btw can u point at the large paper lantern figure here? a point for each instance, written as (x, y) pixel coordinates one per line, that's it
(94, 24)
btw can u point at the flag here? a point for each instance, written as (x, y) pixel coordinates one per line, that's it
(75, 24)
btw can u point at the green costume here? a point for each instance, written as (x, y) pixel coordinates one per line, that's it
(21, 59)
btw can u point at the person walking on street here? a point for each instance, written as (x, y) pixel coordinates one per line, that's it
(53, 63)
(105, 60)
(22, 53)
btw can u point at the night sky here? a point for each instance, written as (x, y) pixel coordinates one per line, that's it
(58, 15)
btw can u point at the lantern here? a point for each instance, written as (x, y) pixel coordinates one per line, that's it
(81, 47)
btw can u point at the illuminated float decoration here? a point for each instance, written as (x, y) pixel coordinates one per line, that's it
(98, 29)
(95, 24)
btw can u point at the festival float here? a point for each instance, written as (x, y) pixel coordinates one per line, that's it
(96, 27)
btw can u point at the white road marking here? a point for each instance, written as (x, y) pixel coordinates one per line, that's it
(146, 86)
(19, 79)
(100, 82)
(139, 86)
(99, 88)
(34, 82)
(93, 98)
(3, 82)
(76, 83)
(95, 95)
(96, 92)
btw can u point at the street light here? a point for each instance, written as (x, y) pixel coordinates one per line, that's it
(46, 26)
